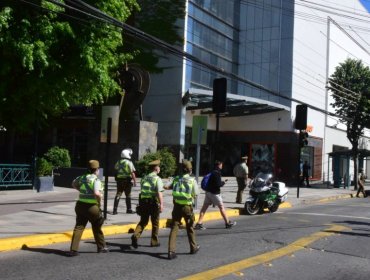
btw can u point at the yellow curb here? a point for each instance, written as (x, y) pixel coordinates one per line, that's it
(336, 197)
(285, 205)
(16, 243)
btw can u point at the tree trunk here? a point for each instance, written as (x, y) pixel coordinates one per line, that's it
(355, 163)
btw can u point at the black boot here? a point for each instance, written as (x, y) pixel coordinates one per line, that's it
(115, 206)
(128, 206)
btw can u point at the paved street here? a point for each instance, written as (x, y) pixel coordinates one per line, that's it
(325, 240)
(29, 213)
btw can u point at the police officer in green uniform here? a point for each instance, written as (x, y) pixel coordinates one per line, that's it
(125, 172)
(88, 209)
(150, 203)
(184, 190)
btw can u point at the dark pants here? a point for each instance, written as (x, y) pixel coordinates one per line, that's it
(123, 186)
(361, 190)
(242, 184)
(87, 212)
(179, 212)
(305, 178)
(150, 210)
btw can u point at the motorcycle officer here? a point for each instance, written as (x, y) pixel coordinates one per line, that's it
(125, 172)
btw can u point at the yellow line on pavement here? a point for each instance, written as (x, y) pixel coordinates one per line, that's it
(298, 245)
(16, 243)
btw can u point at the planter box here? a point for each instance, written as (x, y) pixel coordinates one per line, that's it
(44, 184)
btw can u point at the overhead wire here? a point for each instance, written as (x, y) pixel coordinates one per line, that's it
(139, 34)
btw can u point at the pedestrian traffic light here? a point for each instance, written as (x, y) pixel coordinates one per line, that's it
(303, 138)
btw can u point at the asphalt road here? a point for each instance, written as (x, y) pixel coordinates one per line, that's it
(323, 241)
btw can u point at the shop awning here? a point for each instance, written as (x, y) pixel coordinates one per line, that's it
(361, 153)
(237, 105)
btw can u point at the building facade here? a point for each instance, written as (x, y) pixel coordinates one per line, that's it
(275, 54)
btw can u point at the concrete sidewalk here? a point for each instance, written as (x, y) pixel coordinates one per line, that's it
(38, 219)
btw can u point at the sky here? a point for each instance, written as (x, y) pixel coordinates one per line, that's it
(366, 4)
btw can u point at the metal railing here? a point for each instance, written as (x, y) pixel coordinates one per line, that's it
(15, 175)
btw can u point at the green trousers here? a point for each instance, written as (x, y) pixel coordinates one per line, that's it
(150, 210)
(179, 212)
(123, 186)
(241, 187)
(87, 212)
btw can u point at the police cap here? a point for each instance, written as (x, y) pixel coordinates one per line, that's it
(187, 164)
(93, 164)
(155, 162)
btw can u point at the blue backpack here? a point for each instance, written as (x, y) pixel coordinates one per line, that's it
(204, 183)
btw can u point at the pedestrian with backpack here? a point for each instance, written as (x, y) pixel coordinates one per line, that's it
(213, 196)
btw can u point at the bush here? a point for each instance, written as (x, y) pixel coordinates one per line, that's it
(58, 157)
(44, 168)
(55, 157)
(168, 163)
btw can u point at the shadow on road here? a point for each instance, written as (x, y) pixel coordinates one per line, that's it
(45, 251)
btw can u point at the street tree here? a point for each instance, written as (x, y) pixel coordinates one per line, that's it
(350, 87)
(163, 19)
(53, 57)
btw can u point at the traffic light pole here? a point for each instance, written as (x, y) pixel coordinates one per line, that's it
(107, 153)
(299, 168)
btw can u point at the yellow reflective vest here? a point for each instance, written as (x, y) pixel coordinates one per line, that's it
(149, 187)
(86, 183)
(124, 171)
(183, 189)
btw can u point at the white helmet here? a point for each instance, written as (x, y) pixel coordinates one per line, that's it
(126, 153)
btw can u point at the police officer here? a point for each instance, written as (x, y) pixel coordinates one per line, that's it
(88, 208)
(151, 203)
(241, 173)
(184, 190)
(361, 183)
(125, 172)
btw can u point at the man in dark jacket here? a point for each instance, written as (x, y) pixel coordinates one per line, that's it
(213, 196)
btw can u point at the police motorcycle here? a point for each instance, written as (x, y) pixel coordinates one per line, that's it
(265, 194)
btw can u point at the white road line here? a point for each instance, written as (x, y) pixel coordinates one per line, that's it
(328, 215)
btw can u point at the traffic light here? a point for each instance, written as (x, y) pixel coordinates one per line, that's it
(219, 95)
(301, 117)
(303, 138)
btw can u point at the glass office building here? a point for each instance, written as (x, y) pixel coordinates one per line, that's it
(246, 38)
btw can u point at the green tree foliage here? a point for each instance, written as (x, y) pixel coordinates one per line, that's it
(350, 85)
(163, 19)
(168, 163)
(52, 58)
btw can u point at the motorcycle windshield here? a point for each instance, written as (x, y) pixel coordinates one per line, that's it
(263, 176)
(261, 182)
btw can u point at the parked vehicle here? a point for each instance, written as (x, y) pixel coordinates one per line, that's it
(264, 193)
